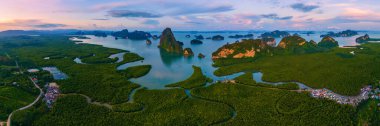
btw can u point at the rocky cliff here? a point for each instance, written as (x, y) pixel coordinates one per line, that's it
(365, 39)
(169, 43)
(291, 41)
(245, 49)
(188, 52)
(328, 42)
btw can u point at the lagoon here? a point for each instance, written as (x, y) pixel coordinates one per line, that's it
(167, 69)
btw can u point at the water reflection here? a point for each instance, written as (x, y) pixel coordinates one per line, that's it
(169, 58)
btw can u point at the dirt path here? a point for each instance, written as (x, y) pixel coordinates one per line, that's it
(28, 106)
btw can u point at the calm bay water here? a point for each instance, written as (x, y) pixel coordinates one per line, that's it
(168, 69)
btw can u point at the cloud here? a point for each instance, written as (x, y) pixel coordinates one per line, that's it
(49, 25)
(194, 22)
(274, 16)
(303, 8)
(184, 9)
(151, 22)
(133, 14)
(30, 23)
(166, 8)
(345, 19)
(355, 15)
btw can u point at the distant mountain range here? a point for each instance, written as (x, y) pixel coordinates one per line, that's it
(108, 32)
(47, 32)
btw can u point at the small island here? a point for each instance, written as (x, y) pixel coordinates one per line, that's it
(135, 35)
(346, 33)
(275, 34)
(188, 52)
(155, 37)
(196, 42)
(217, 38)
(199, 37)
(252, 48)
(200, 55)
(365, 39)
(148, 42)
(241, 36)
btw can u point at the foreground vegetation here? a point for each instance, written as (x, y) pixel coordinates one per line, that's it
(16, 90)
(96, 79)
(197, 79)
(137, 71)
(12, 98)
(130, 57)
(337, 70)
(243, 103)
(169, 107)
(247, 79)
(263, 106)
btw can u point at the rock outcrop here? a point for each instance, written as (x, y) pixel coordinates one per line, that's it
(200, 55)
(245, 49)
(269, 41)
(313, 42)
(187, 36)
(188, 52)
(169, 43)
(248, 53)
(365, 39)
(296, 45)
(291, 41)
(155, 37)
(328, 42)
(148, 42)
(196, 41)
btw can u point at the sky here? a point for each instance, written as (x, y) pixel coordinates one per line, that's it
(194, 15)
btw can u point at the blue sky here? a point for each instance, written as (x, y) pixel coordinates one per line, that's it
(191, 14)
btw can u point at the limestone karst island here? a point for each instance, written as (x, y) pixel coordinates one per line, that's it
(189, 63)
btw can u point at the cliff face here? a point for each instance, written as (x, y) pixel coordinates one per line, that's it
(169, 43)
(246, 49)
(269, 41)
(328, 42)
(291, 41)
